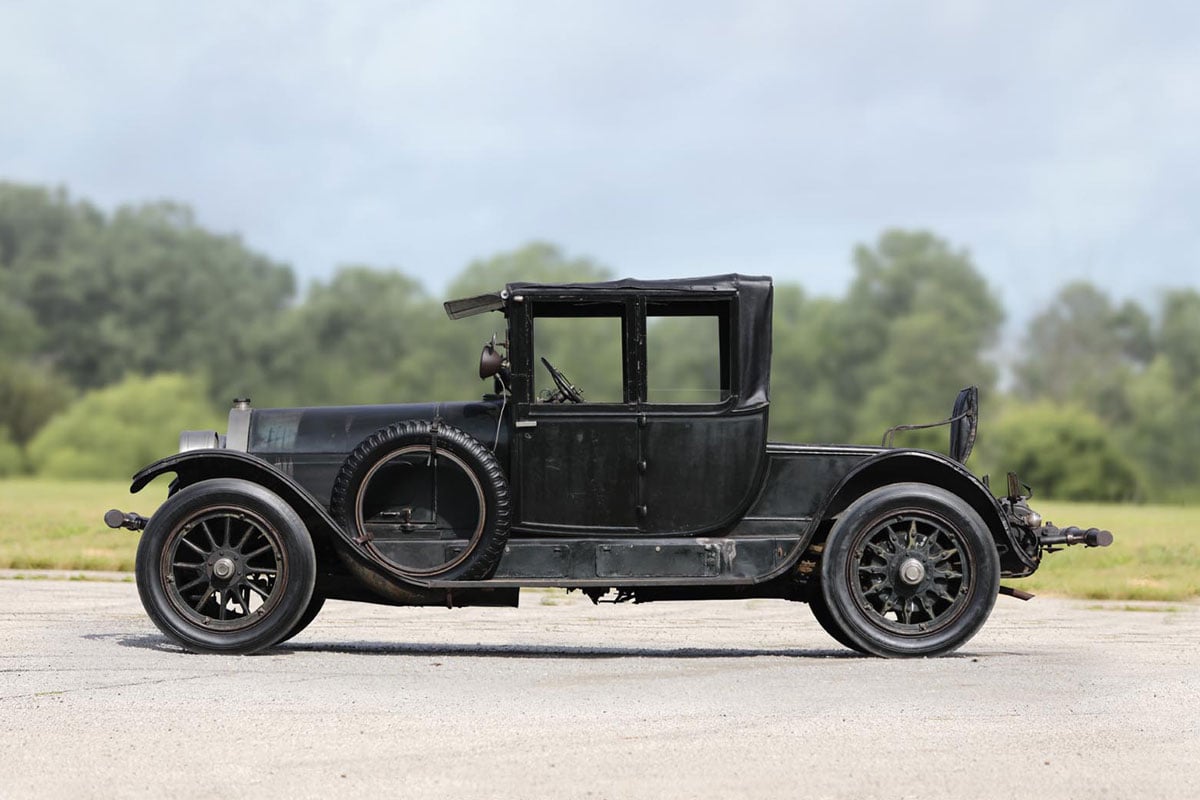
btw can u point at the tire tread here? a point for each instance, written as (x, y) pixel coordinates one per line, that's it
(480, 564)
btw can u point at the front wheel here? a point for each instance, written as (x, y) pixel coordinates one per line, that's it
(225, 566)
(909, 570)
(315, 604)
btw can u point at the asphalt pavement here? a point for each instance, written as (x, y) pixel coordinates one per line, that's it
(563, 699)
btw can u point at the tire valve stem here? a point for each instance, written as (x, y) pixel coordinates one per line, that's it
(116, 518)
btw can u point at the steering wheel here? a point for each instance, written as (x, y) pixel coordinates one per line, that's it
(565, 387)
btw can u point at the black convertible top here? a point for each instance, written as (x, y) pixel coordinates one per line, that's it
(732, 283)
(753, 296)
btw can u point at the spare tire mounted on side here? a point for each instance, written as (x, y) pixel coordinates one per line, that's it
(426, 499)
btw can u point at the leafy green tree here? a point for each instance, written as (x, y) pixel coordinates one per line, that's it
(682, 360)
(115, 431)
(1164, 433)
(363, 337)
(917, 322)
(150, 290)
(39, 225)
(809, 385)
(1083, 349)
(1063, 452)
(1178, 335)
(1164, 429)
(12, 461)
(29, 396)
(19, 332)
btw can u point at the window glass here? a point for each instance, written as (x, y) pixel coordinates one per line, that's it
(587, 351)
(687, 358)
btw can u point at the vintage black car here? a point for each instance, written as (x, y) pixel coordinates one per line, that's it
(637, 493)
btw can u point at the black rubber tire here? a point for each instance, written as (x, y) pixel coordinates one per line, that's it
(975, 590)
(484, 552)
(820, 612)
(315, 604)
(293, 559)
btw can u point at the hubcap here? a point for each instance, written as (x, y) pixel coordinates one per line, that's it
(223, 569)
(912, 572)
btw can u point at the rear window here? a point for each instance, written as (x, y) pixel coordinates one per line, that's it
(687, 352)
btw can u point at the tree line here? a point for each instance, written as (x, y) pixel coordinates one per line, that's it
(121, 328)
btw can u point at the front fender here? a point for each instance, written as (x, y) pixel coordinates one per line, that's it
(926, 466)
(194, 466)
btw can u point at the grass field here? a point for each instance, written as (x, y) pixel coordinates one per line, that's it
(59, 524)
(1156, 556)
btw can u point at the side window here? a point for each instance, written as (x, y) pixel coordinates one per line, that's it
(587, 349)
(687, 352)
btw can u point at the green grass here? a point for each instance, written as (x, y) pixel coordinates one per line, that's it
(59, 524)
(1156, 555)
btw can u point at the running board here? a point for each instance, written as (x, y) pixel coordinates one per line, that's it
(586, 583)
(635, 562)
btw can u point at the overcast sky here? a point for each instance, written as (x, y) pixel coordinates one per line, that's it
(1053, 140)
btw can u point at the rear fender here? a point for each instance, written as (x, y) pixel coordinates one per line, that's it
(924, 466)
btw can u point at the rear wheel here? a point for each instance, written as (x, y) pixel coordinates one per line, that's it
(909, 570)
(225, 566)
(820, 611)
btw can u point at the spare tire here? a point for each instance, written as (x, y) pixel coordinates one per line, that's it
(427, 500)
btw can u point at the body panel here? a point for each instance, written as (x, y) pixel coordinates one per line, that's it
(310, 444)
(699, 473)
(578, 473)
(801, 486)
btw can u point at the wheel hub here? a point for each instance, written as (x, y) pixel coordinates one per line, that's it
(911, 574)
(912, 571)
(223, 568)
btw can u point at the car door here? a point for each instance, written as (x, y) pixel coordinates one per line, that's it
(575, 462)
(701, 451)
